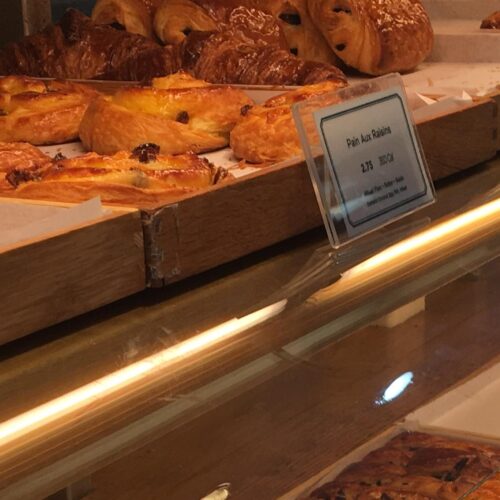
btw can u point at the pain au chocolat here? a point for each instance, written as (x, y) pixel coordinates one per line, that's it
(179, 113)
(267, 133)
(375, 36)
(250, 52)
(41, 112)
(135, 16)
(143, 177)
(175, 19)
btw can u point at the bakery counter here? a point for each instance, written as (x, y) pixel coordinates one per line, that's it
(262, 372)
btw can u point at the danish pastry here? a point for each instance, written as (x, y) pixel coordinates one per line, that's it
(375, 36)
(267, 133)
(492, 22)
(41, 112)
(196, 117)
(136, 16)
(142, 178)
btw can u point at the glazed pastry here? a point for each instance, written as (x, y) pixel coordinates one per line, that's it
(415, 466)
(20, 155)
(245, 56)
(267, 133)
(80, 48)
(175, 19)
(191, 116)
(375, 36)
(492, 22)
(41, 112)
(142, 178)
(136, 16)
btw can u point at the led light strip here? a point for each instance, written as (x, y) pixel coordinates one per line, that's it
(90, 393)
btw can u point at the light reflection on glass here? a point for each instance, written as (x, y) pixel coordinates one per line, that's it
(395, 388)
(105, 386)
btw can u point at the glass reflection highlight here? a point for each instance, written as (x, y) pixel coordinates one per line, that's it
(395, 388)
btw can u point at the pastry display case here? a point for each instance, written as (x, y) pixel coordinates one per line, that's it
(193, 334)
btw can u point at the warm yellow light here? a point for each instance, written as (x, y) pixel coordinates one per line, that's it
(79, 398)
(413, 244)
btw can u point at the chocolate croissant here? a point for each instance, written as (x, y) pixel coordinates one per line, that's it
(175, 19)
(136, 16)
(79, 48)
(375, 37)
(242, 56)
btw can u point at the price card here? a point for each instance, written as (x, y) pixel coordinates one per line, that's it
(364, 156)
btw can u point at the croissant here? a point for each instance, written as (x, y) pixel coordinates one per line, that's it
(178, 113)
(175, 19)
(267, 133)
(41, 112)
(79, 48)
(142, 178)
(136, 16)
(375, 37)
(239, 56)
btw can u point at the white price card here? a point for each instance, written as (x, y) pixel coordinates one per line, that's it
(372, 170)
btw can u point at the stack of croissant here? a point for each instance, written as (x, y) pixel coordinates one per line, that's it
(291, 42)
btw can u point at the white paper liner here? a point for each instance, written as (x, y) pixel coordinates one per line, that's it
(28, 221)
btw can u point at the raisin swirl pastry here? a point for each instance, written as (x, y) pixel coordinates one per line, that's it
(143, 178)
(136, 16)
(375, 36)
(178, 112)
(20, 155)
(267, 133)
(41, 112)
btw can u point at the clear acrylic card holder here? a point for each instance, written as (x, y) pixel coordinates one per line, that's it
(364, 157)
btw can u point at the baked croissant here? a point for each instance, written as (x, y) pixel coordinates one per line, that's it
(79, 48)
(140, 179)
(136, 16)
(41, 112)
(267, 133)
(236, 55)
(189, 115)
(175, 19)
(375, 37)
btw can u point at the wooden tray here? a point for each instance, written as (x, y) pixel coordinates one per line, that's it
(62, 274)
(216, 226)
